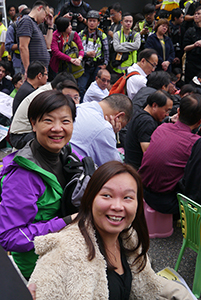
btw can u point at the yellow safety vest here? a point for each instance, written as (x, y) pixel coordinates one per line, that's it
(3, 28)
(132, 57)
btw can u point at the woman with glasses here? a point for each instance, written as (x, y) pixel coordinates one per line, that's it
(162, 44)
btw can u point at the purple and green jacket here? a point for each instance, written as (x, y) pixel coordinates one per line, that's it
(29, 207)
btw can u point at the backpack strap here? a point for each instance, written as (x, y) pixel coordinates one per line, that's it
(131, 74)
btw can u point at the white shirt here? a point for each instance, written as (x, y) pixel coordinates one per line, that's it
(135, 82)
(3, 37)
(95, 93)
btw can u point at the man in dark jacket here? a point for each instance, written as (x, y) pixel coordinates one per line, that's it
(76, 11)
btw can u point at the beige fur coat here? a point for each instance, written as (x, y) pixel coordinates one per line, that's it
(63, 271)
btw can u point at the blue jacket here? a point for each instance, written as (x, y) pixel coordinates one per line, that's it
(154, 43)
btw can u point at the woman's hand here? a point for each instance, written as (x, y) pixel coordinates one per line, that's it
(75, 61)
(165, 65)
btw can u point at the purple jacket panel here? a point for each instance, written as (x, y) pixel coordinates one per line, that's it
(18, 208)
(56, 47)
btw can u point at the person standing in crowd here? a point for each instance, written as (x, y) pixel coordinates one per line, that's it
(96, 51)
(32, 44)
(116, 16)
(163, 45)
(76, 11)
(11, 14)
(192, 46)
(3, 29)
(125, 43)
(176, 33)
(60, 38)
(11, 41)
(146, 26)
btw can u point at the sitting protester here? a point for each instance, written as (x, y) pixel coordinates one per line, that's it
(33, 179)
(17, 82)
(103, 254)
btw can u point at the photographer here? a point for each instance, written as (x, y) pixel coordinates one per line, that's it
(76, 11)
(96, 51)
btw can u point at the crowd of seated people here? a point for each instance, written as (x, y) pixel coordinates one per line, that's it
(60, 69)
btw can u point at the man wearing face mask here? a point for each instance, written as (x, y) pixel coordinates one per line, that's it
(76, 11)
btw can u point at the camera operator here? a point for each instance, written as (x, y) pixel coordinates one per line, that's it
(76, 11)
(96, 51)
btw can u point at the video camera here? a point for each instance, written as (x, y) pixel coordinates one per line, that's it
(104, 22)
(74, 19)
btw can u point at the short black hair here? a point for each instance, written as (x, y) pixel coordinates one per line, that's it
(9, 7)
(159, 97)
(177, 71)
(148, 9)
(173, 77)
(190, 109)
(187, 88)
(35, 68)
(0, 16)
(17, 77)
(158, 79)
(62, 24)
(25, 11)
(39, 3)
(4, 65)
(126, 14)
(48, 101)
(146, 53)
(198, 8)
(69, 84)
(176, 13)
(117, 7)
(61, 77)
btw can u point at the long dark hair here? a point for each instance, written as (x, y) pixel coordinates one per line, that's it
(99, 178)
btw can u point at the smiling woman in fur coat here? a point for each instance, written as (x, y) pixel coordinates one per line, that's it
(103, 253)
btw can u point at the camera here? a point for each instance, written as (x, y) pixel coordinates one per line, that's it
(104, 22)
(74, 19)
(89, 62)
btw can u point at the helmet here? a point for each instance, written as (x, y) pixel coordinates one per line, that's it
(93, 14)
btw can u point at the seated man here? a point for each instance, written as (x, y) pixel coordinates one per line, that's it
(147, 63)
(190, 183)
(36, 76)
(5, 84)
(98, 89)
(143, 125)
(20, 129)
(165, 159)
(96, 124)
(155, 81)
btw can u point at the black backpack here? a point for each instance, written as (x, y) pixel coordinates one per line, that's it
(78, 174)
